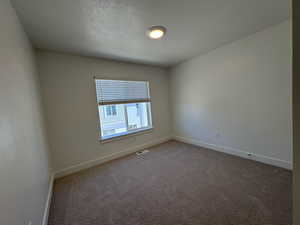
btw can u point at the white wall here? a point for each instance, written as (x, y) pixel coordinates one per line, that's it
(238, 97)
(24, 161)
(71, 110)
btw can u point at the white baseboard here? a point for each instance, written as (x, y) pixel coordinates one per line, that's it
(95, 162)
(48, 201)
(236, 152)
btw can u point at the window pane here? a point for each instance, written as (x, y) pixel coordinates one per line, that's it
(112, 124)
(114, 110)
(110, 110)
(123, 118)
(137, 115)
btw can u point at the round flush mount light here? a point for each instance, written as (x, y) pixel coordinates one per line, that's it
(156, 32)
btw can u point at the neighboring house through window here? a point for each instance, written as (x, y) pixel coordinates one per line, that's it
(111, 110)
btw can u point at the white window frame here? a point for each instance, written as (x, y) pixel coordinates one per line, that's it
(130, 133)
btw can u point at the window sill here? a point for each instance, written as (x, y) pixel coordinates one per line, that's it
(120, 136)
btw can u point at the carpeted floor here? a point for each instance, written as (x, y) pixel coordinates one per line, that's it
(174, 183)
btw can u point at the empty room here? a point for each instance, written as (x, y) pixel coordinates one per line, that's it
(146, 112)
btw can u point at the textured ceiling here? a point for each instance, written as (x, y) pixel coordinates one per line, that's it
(116, 28)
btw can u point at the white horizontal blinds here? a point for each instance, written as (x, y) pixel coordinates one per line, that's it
(120, 91)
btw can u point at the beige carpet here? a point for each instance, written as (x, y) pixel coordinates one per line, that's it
(174, 183)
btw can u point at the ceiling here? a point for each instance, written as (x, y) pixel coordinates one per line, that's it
(116, 29)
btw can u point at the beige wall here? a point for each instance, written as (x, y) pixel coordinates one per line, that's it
(24, 163)
(71, 110)
(238, 97)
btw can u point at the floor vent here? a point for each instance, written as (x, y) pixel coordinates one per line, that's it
(142, 152)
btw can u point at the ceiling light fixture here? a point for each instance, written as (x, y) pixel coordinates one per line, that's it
(156, 32)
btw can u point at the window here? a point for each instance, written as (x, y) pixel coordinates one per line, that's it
(110, 110)
(124, 107)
